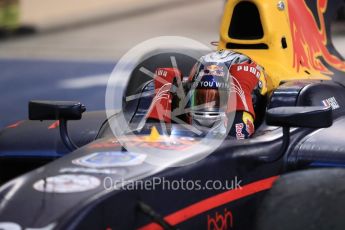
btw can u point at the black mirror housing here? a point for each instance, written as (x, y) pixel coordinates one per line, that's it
(300, 116)
(62, 111)
(55, 110)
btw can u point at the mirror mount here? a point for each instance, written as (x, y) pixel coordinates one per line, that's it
(66, 140)
(58, 110)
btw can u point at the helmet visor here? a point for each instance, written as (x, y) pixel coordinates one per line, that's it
(206, 100)
(209, 99)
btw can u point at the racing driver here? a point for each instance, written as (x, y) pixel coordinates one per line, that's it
(214, 82)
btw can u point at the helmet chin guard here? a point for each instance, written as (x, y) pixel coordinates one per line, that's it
(207, 119)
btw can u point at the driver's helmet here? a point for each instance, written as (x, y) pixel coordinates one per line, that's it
(213, 81)
(210, 84)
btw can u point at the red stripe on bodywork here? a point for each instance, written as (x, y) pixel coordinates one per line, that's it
(15, 125)
(54, 125)
(213, 202)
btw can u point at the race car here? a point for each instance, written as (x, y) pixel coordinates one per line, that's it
(287, 176)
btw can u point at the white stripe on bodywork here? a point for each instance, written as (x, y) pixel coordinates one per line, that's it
(84, 82)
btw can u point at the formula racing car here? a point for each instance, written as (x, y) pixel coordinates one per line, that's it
(65, 168)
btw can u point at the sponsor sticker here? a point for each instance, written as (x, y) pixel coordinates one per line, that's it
(331, 102)
(220, 220)
(67, 183)
(215, 68)
(178, 143)
(239, 128)
(247, 68)
(110, 159)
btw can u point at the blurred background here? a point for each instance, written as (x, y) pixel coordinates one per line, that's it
(66, 50)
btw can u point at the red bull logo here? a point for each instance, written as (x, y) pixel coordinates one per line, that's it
(309, 39)
(214, 68)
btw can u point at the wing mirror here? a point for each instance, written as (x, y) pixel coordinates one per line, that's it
(58, 110)
(55, 110)
(307, 117)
